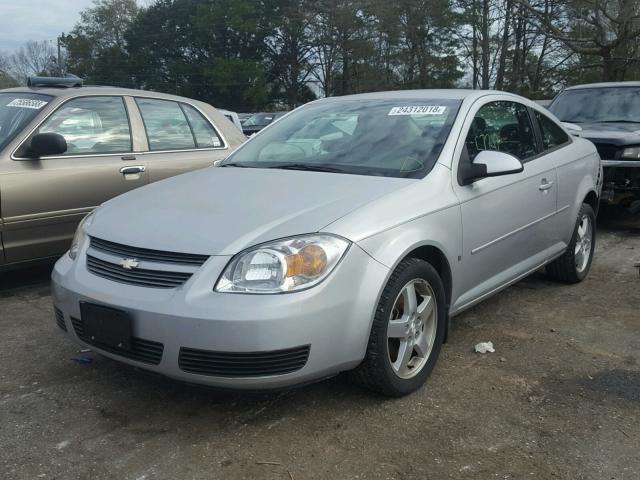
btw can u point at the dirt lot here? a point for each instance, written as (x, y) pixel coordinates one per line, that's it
(560, 398)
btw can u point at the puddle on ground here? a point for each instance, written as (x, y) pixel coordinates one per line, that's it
(624, 384)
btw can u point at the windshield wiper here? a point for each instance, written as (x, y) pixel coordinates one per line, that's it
(232, 164)
(571, 121)
(307, 167)
(618, 121)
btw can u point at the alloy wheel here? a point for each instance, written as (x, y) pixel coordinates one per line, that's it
(583, 243)
(411, 331)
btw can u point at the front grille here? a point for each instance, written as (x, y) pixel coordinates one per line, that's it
(60, 318)
(125, 251)
(140, 277)
(145, 351)
(607, 151)
(234, 364)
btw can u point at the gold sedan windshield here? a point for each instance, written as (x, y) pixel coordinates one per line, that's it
(16, 111)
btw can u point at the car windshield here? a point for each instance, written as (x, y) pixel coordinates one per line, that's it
(598, 105)
(16, 110)
(260, 120)
(399, 138)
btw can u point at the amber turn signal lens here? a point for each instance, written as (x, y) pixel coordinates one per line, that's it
(309, 262)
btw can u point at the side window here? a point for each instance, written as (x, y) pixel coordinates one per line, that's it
(204, 133)
(166, 126)
(176, 126)
(503, 127)
(552, 135)
(91, 125)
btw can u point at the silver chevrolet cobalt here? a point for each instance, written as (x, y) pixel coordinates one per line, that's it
(341, 238)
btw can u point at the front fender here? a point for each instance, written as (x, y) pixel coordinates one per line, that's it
(441, 229)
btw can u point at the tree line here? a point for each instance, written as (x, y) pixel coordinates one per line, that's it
(249, 55)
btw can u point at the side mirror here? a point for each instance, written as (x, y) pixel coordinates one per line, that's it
(574, 129)
(489, 163)
(43, 144)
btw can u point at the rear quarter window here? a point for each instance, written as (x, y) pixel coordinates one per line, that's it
(204, 134)
(552, 134)
(166, 125)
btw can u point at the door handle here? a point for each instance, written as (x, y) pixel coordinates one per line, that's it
(545, 185)
(132, 169)
(128, 157)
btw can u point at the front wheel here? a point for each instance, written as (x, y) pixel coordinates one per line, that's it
(574, 265)
(407, 332)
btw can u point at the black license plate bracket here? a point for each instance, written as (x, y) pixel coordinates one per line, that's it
(105, 325)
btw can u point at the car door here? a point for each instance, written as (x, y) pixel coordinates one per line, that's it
(507, 220)
(180, 138)
(44, 199)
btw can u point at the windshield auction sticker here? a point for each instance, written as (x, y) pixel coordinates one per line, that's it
(418, 110)
(27, 103)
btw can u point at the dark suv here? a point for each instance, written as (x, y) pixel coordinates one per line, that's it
(608, 114)
(258, 121)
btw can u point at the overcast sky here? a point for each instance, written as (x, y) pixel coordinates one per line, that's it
(22, 20)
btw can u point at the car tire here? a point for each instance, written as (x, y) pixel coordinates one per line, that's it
(575, 263)
(405, 342)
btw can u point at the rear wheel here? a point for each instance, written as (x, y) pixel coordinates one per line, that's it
(574, 265)
(407, 332)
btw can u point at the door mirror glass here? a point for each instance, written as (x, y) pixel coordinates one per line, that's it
(490, 163)
(44, 144)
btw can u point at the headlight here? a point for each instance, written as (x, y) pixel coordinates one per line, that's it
(283, 266)
(79, 237)
(631, 153)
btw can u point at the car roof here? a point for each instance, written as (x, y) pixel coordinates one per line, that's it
(432, 94)
(63, 92)
(604, 85)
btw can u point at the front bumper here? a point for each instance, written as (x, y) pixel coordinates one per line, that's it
(332, 318)
(621, 185)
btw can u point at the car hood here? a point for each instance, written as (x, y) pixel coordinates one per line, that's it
(221, 211)
(615, 133)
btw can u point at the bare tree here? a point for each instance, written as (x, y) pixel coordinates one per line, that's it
(608, 30)
(324, 49)
(504, 45)
(32, 58)
(291, 52)
(6, 80)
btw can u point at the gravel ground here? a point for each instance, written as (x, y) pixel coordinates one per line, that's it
(560, 398)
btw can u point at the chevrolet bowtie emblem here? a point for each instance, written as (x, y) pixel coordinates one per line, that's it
(129, 263)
